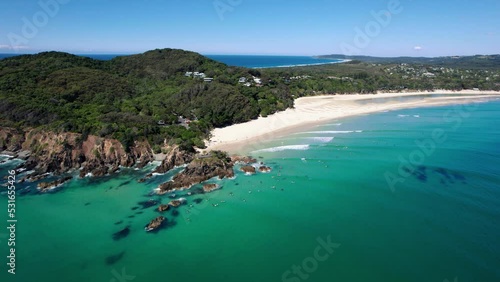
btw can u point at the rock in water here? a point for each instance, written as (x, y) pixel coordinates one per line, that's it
(264, 169)
(176, 203)
(248, 169)
(154, 224)
(176, 157)
(207, 188)
(203, 168)
(245, 160)
(46, 186)
(163, 208)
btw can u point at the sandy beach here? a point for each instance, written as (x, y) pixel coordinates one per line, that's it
(310, 111)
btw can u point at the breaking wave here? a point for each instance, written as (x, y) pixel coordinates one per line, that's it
(284, 148)
(321, 139)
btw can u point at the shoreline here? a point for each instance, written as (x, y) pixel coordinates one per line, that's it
(315, 110)
(341, 61)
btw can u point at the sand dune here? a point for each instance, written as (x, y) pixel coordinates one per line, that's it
(321, 109)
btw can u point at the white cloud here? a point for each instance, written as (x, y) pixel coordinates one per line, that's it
(5, 46)
(418, 48)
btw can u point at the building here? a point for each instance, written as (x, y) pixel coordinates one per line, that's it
(208, 79)
(199, 74)
(242, 80)
(189, 73)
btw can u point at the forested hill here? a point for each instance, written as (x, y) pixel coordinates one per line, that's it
(133, 97)
(469, 62)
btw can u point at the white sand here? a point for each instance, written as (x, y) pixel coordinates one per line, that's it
(321, 109)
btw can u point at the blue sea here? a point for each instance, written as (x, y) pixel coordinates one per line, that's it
(253, 61)
(249, 61)
(408, 195)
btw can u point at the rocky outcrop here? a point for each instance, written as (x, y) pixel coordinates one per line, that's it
(207, 188)
(46, 186)
(265, 169)
(174, 157)
(243, 159)
(248, 169)
(11, 140)
(201, 169)
(58, 153)
(177, 203)
(163, 208)
(154, 224)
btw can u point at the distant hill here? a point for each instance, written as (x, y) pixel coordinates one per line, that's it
(471, 62)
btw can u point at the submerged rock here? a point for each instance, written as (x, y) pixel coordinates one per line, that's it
(46, 186)
(114, 258)
(121, 234)
(149, 203)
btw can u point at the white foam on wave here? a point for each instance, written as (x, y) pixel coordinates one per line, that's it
(332, 124)
(329, 132)
(403, 116)
(321, 139)
(417, 116)
(284, 148)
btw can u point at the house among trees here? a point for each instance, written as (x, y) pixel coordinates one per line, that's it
(199, 75)
(195, 74)
(242, 80)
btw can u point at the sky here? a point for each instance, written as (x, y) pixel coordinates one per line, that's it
(265, 27)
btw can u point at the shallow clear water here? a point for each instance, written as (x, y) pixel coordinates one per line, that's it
(328, 182)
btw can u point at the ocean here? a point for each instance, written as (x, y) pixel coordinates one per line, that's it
(254, 61)
(249, 61)
(406, 195)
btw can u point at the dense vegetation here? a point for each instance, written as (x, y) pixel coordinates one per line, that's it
(127, 97)
(481, 62)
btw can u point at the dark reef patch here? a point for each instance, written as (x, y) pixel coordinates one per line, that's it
(121, 234)
(110, 260)
(149, 203)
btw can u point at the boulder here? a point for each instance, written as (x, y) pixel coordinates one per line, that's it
(207, 188)
(154, 224)
(163, 208)
(264, 169)
(248, 169)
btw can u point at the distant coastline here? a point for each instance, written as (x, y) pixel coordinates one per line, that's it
(310, 111)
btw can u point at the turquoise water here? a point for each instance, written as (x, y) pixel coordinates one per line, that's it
(442, 222)
(255, 61)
